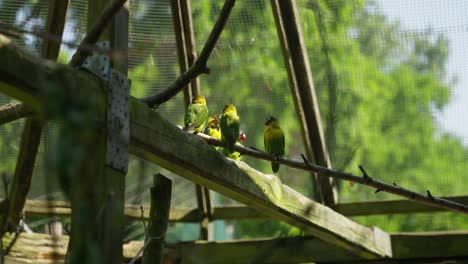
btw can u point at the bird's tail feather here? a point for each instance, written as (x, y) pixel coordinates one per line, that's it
(275, 166)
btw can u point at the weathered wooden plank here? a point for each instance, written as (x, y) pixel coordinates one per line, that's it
(37, 246)
(431, 247)
(305, 99)
(430, 244)
(60, 208)
(407, 248)
(279, 250)
(161, 142)
(35, 207)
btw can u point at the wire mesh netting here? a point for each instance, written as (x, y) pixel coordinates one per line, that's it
(389, 83)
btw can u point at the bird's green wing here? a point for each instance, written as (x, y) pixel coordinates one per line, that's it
(196, 116)
(202, 116)
(229, 124)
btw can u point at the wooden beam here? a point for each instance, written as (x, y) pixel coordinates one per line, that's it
(408, 248)
(430, 244)
(158, 221)
(279, 250)
(157, 140)
(59, 208)
(302, 88)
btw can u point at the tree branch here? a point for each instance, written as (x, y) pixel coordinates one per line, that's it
(95, 32)
(365, 180)
(13, 111)
(199, 66)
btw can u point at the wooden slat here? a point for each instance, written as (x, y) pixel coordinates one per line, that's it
(430, 245)
(434, 247)
(302, 89)
(157, 140)
(60, 208)
(34, 207)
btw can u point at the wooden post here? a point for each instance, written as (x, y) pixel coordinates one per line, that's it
(185, 40)
(189, 37)
(158, 220)
(180, 44)
(302, 88)
(98, 193)
(32, 130)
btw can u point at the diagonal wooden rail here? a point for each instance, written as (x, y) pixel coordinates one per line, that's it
(157, 140)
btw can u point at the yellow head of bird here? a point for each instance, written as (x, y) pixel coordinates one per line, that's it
(229, 108)
(199, 100)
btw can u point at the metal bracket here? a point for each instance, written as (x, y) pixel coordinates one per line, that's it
(98, 63)
(118, 128)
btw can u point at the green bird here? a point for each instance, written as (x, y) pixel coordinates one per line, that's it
(273, 138)
(229, 124)
(235, 155)
(196, 115)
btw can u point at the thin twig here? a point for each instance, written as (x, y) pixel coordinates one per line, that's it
(326, 172)
(199, 66)
(96, 30)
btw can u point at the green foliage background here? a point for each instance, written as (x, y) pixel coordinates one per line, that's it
(379, 89)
